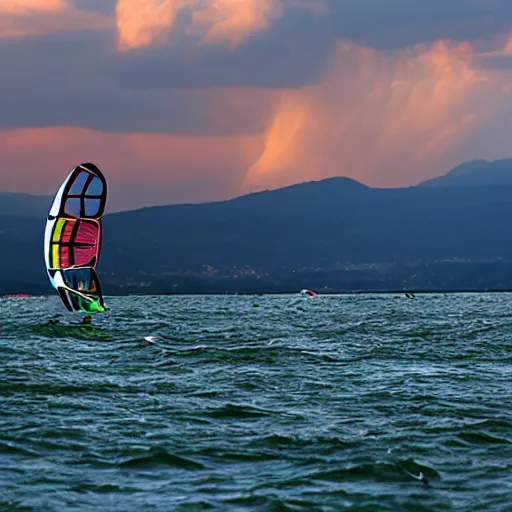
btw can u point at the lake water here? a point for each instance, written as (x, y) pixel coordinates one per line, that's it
(271, 403)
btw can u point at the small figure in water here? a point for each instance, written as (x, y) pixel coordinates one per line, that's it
(87, 320)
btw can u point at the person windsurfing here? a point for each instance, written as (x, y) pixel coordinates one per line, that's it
(72, 239)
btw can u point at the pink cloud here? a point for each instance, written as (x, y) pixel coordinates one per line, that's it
(142, 169)
(24, 18)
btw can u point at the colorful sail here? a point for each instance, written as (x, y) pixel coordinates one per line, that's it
(72, 242)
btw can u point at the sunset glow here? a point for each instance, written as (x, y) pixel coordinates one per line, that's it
(140, 89)
(142, 23)
(29, 18)
(231, 21)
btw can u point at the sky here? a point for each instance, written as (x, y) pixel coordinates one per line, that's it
(199, 100)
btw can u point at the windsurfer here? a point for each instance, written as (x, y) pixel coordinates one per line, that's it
(72, 239)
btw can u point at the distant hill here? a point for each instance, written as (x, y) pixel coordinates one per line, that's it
(330, 235)
(25, 205)
(476, 173)
(316, 224)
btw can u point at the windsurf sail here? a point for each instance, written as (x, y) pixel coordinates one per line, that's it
(308, 293)
(72, 242)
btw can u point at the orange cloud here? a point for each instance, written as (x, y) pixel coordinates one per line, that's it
(22, 18)
(231, 21)
(143, 23)
(384, 118)
(142, 169)
(508, 45)
(25, 6)
(226, 22)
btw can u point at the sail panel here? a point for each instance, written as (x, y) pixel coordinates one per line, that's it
(82, 195)
(72, 207)
(79, 289)
(84, 256)
(95, 187)
(92, 206)
(84, 281)
(75, 243)
(78, 183)
(86, 232)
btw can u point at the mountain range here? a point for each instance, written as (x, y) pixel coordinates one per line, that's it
(335, 235)
(476, 173)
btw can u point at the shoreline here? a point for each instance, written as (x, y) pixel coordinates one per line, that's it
(283, 292)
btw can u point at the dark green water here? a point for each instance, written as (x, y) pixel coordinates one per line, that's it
(364, 403)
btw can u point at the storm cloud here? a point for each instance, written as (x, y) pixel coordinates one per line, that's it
(392, 24)
(186, 100)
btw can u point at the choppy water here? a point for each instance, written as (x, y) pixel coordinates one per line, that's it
(367, 403)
